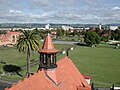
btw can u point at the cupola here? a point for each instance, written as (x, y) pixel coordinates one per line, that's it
(48, 54)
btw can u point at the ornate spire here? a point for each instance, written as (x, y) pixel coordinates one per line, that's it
(48, 46)
(48, 54)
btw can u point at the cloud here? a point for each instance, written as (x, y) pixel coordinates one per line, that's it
(40, 16)
(66, 11)
(12, 16)
(66, 2)
(61, 16)
(89, 1)
(15, 11)
(41, 3)
(66, 17)
(116, 8)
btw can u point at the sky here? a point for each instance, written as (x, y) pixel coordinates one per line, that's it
(60, 11)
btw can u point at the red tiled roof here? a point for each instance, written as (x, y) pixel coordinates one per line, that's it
(10, 33)
(87, 76)
(71, 74)
(4, 39)
(2, 35)
(65, 77)
(48, 46)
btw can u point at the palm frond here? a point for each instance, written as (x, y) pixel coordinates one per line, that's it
(28, 40)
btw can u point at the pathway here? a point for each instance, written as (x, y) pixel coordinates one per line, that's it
(4, 83)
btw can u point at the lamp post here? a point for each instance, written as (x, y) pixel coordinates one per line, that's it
(67, 51)
(71, 48)
(63, 52)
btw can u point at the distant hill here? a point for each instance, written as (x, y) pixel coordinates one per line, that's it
(30, 25)
(115, 24)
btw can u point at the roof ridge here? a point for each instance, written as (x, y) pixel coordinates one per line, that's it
(57, 84)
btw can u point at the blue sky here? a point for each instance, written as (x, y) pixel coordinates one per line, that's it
(60, 11)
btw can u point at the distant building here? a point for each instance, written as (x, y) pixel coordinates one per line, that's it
(5, 29)
(100, 26)
(52, 74)
(71, 30)
(54, 34)
(14, 28)
(47, 26)
(113, 27)
(9, 38)
(23, 28)
(66, 28)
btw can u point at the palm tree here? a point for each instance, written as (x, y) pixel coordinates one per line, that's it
(27, 42)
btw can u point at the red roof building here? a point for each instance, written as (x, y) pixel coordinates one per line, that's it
(60, 75)
(9, 38)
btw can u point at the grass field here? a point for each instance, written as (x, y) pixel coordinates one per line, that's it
(12, 56)
(102, 62)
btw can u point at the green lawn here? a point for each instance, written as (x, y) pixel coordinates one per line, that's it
(71, 38)
(12, 56)
(102, 62)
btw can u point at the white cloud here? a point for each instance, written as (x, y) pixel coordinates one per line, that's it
(15, 11)
(89, 1)
(40, 3)
(116, 8)
(39, 16)
(59, 11)
(66, 2)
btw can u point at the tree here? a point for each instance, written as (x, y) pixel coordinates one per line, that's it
(3, 32)
(105, 38)
(91, 38)
(41, 33)
(116, 34)
(73, 33)
(60, 32)
(27, 42)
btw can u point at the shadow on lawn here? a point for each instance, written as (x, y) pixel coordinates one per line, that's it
(12, 69)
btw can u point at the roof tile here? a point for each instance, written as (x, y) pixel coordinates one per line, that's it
(48, 46)
(66, 76)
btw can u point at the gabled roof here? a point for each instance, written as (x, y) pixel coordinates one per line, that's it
(48, 46)
(10, 33)
(4, 39)
(65, 77)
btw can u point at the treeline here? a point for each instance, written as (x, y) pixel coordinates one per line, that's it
(116, 34)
